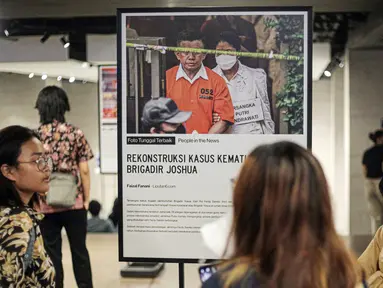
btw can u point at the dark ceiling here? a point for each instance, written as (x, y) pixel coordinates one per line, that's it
(335, 28)
(329, 27)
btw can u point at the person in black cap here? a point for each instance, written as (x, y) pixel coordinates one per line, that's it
(162, 116)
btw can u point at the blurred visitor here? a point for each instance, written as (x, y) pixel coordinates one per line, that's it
(95, 223)
(373, 173)
(282, 228)
(67, 202)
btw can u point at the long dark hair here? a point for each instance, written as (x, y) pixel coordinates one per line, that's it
(11, 140)
(283, 222)
(52, 104)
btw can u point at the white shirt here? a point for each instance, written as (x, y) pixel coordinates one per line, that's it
(200, 74)
(247, 85)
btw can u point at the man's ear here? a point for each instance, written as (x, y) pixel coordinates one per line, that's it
(8, 172)
(178, 55)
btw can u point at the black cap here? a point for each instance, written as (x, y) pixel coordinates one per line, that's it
(157, 111)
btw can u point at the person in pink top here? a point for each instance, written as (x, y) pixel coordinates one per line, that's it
(70, 152)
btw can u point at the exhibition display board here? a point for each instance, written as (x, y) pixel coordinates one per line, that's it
(108, 118)
(198, 89)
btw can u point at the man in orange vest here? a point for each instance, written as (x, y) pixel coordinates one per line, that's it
(198, 89)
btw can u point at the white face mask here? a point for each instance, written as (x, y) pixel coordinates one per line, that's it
(226, 62)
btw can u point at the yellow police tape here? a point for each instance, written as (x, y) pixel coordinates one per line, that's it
(163, 50)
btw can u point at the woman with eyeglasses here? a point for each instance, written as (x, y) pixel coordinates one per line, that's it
(25, 169)
(67, 202)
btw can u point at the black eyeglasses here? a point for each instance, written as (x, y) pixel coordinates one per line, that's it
(42, 163)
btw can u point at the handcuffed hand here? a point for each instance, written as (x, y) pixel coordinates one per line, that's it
(216, 118)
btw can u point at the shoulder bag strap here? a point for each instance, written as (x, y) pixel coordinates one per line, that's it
(29, 253)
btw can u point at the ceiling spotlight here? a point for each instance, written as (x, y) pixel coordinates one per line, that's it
(327, 73)
(339, 62)
(31, 75)
(6, 32)
(44, 77)
(64, 42)
(59, 78)
(72, 79)
(45, 37)
(85, 65)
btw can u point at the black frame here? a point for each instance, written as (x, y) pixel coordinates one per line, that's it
(121, 11)
(99, 67)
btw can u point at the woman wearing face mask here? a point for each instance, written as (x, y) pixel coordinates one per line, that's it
(24, 172)
(248, 90)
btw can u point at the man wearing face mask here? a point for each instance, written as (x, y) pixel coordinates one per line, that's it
(198, 89)
(162, 116)
(248, 90)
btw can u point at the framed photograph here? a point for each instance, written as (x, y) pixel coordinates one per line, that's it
(107, 75)
(108, 93)
(198, 89)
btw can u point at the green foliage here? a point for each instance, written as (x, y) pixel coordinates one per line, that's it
(290, 33)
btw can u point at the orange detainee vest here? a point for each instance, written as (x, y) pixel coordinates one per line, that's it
(202, 98)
